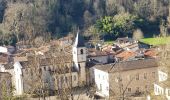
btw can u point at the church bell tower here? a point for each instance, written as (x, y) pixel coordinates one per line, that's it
(79, 58)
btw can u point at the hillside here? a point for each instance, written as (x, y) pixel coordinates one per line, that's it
(28, 19)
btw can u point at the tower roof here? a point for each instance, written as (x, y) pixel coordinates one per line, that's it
(79, 41)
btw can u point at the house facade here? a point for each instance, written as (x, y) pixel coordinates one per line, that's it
(100, 56)
(7, 65)
(101, 78)
(162, 87)
(15, 69)
(127, 44)
(5, 85)
(61, 70)
(18, 78)
(7, 50)
(129, 78)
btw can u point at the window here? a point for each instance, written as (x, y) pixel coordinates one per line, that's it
(31, 72)
(153, 74)
(137, 89)
(100, 87)
(131, 77)
(79, 66)
(40, 71)
(62, 79)
(168, 92)
(45, 68)
(66, 69)
(74, 77)
(81, 51)
(146, 88)
(119, 79)
(137, 76)
(66, 79)
(155, 89)
(93, 80)
(129, 89)
(145, 75)
(107, 88)
(49, 69)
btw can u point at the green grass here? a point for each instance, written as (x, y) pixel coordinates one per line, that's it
(156, 41)
(109, 42)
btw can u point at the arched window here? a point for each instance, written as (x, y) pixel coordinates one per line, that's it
(44, 68)
(66, 69)
(79, 66)
(49, 69)
(40, 70)
(81, 51)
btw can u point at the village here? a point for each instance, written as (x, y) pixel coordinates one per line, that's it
(72, 68)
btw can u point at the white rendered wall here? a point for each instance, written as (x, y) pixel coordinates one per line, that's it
(162, 76)
(166, 92)
(3, 49)
(2, 68)
(101, 59)
(77, 56)
(102, 82)
(18, 78)
(158, 90)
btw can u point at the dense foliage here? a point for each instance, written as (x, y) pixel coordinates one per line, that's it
(120, 24)
(28, 19)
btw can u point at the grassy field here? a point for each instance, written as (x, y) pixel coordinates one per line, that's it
(156, 41)
(109, 42)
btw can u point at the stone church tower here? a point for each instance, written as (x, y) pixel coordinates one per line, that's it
(79, 58)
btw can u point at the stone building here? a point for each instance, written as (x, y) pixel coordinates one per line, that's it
(127, 44)
(99, 56)
(52, 67)
(13, 67)
(5, 85)
(162, 87)
(79, 58)
(61, 67)
(125, 79)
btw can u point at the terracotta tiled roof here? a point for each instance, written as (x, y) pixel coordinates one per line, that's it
(150, 53)
(125, 55)
(108, 48)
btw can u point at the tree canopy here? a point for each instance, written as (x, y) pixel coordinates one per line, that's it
(121, 24)
(28, 19)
